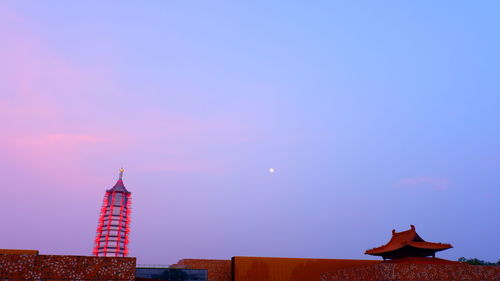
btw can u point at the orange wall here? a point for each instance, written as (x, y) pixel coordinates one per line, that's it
(18, 252)
(289, 269)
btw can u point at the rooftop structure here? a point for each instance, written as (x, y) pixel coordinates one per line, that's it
(114, 222)
(407, 244)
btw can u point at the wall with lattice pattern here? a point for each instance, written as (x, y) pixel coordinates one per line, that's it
(415, 272)
(49, 267)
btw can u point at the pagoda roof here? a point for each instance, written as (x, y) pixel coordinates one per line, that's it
(407, 241)
(119, 186)
(422, 260)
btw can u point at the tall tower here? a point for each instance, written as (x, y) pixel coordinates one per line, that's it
(114, 222)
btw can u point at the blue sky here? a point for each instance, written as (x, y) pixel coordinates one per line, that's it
(375, 115)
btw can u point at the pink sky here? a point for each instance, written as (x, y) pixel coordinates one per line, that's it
(368, 128)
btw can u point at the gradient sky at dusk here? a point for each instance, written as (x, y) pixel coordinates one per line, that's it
(375, 114)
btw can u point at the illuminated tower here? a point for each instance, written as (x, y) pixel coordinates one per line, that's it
(114, 222)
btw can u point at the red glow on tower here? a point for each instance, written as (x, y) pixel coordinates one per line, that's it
(113, 226)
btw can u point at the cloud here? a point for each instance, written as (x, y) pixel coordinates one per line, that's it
(57, 116)
(423, 183)
(55, 140)
(48, 122)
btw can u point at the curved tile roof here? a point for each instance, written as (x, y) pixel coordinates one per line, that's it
(407, 238)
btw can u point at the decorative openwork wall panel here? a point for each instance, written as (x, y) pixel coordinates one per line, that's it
(49, 267)
(415, 272)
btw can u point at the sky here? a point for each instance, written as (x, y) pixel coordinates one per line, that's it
(375, 115)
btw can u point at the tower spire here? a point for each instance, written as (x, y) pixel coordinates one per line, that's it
(119, 186)
(113, 226)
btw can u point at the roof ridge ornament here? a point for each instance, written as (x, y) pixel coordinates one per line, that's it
(119, 186)
(121, 173)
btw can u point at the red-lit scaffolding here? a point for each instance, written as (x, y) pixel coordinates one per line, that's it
(114, 222)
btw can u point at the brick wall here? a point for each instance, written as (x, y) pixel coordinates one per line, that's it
(49, 267)
(415, 272)
(218, 270)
